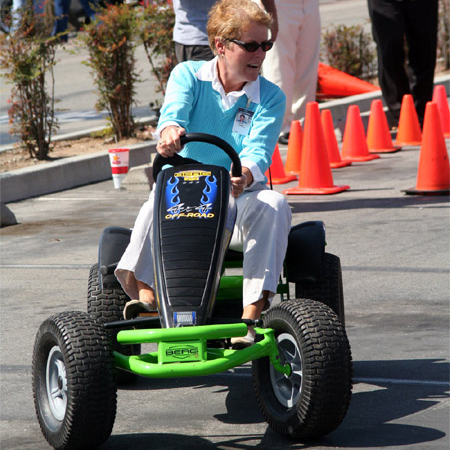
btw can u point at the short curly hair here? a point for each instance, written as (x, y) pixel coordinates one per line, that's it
(228, 19)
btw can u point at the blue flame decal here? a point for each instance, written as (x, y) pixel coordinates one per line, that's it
(172, 194)
(209, 194)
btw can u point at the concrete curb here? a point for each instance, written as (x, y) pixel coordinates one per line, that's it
(7, 217)
(81, 170)
(65, 174)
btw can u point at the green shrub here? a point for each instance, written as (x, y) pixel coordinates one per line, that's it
(156, 23)
(111, 44)
(28, 58)
(350, 49)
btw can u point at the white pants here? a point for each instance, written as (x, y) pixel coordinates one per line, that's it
(261, 231)
(293, 62)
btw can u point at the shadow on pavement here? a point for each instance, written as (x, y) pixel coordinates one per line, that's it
(384, 392)
(367, 203)
(161, 441)
(390, 391)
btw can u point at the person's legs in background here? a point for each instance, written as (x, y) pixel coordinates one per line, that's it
(307, 57)
(89, 7)
(421, 38)
(193, 52)
(279, 65)
(62, 8)
(292, 64)
(388, 29)
(16, 14)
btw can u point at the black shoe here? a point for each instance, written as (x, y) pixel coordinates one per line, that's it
(283, 139)
(393, 118)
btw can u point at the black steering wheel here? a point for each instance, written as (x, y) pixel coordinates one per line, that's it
(177, 160)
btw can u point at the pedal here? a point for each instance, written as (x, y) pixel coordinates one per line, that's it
(148, 314)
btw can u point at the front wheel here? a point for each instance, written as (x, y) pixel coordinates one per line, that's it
(73, 381)
(314, 399)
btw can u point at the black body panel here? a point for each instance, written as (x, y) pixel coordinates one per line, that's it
(194, 216)
(306, 247)
(113, 242)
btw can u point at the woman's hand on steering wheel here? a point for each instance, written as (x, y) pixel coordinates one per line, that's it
(238, 184)
(169, 142)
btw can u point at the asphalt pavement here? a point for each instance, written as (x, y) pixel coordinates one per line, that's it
(394, 250)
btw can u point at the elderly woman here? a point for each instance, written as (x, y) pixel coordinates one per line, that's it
(211, 97)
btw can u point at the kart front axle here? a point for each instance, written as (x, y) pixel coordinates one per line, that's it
(183, 352)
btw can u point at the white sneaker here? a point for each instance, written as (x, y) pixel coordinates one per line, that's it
(238, 343)
(134, 307)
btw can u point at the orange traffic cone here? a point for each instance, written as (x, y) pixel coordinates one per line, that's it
(332, 83)
(331, 142)
(408, 126)
(276, 173)
(440, 97)
(315, 176)
(354, 146)
(433, 176)
(294, 152)
(378, 135)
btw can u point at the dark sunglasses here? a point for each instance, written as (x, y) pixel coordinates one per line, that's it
(253, 46)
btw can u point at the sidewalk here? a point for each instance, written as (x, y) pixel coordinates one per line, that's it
(81, 170)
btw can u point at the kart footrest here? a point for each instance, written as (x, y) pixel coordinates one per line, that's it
(248, 322)
(140, 322)
(150, 320)
(149, 314)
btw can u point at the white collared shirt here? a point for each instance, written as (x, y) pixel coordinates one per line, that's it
(208, 72)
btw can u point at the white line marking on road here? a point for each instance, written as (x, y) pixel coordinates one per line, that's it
(45, 266)
(399, 381)
(367, 380)
(73, 199)
(394, 269)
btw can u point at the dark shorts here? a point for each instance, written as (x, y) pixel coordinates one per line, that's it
(193, 52)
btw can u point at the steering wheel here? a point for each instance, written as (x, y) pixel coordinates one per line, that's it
(177, 160)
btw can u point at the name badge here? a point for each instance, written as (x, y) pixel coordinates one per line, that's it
(242, 121)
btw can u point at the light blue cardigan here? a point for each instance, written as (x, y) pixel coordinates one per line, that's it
(197, 107)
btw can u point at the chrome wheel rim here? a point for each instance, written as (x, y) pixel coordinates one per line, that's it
(56, 383)
(287, 389)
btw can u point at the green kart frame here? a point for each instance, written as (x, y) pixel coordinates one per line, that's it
(301, 358)
(188, 345)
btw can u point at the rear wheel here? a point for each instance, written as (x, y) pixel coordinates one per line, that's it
(106, 305)
(314, 399)
(73, 381)
(328, 289)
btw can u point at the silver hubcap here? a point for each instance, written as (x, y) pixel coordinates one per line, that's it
(56, 382)
(288, 389)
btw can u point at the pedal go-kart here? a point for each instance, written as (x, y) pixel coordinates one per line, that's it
(301, 359)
